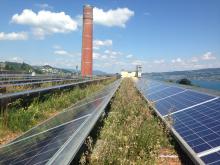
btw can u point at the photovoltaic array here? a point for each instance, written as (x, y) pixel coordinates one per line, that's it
(194, 117)
(57, 140)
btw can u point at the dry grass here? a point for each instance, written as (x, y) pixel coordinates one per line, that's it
(131, 134)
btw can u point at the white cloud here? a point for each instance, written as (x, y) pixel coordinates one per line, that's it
(112, 54)
(137, 62)
(96, 55)
(45, 22)
(162, 61)
(129, 56)
(16, 59)
(178, 60)
(96, 48)
(43, 6)
(57, 47)
(61, 52)
(13, 36)
(194, 59)
(117, 17)
(104, 56)
(98, 43)
(208, 56)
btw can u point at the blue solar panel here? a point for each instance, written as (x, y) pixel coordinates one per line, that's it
(164, 93)
(38, 148)
(79, 111)
(200, 126)
(144, 85)
(181, 101)
(213, 158)
(42, 143)
(194, 116)
(154, 89)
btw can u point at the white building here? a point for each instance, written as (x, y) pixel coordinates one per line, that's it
(128, 74)
(136, 73)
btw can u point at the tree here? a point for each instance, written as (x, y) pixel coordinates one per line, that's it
(184, 81)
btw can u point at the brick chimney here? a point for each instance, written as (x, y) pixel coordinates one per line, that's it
(87, 41)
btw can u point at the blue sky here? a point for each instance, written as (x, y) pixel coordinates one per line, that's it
(160, 35)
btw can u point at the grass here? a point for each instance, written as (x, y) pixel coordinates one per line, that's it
(131, 134)
(17, 119)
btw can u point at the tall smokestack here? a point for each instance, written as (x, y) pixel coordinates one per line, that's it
(87, 41)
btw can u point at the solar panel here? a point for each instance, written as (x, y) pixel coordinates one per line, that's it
(156, 88)
(147, 84)
(10, 97)
(61, 136)
(200, 126)
(212, 158)
(194, 117)
(180, 101)
(40, 147)
(164, 93)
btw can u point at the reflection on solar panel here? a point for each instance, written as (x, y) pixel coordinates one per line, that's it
(193, 117)
(57, 140)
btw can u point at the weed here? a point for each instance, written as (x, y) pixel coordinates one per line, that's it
(20, 119)
(131, 134)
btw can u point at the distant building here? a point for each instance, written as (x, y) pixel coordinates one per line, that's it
(136, 73)
(128, 74)
(2, 65)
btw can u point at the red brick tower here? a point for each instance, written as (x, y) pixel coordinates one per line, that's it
(87, 41)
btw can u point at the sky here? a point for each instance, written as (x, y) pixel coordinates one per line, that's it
(159, 35)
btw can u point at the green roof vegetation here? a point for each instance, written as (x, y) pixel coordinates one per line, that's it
(19, 118)
(131, 134)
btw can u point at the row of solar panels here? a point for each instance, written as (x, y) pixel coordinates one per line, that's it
(193, 117)
(38, 82)
(33, 80)
(28, 94)
(58, 140)
(3, 75)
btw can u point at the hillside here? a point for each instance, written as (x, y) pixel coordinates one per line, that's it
(19, 67)
(16, 67)
(26, 68)
(211, 74)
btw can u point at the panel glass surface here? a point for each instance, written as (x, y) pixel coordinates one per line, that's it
(200, 126)
(181, 101)
(40, 147)
(80, 109)
(164, 93)
(213, 158)
(196, 118)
